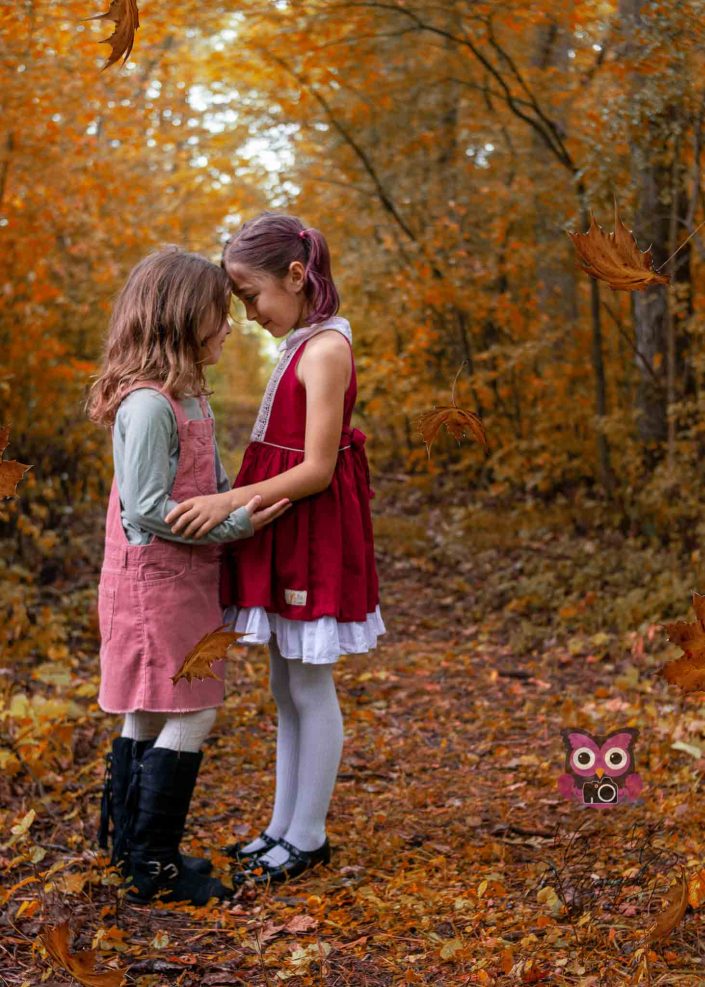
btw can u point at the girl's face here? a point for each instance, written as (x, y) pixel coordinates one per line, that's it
(278, 304)
(212, 343)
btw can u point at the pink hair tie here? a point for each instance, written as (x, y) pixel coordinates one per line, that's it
(302, 233)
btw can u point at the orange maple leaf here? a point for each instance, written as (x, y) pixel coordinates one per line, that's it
(80, 965)
(615, 257)
(127, 19)
(696, 889)
(458, 422)
(198, 663)
(11, 472)
(675, 903)
(688, 672)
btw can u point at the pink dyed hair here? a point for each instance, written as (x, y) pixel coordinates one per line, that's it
(271, 241)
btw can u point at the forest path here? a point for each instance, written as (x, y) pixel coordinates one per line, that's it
(455, 859)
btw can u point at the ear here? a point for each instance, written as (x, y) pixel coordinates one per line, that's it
(573, 738)
(296, 276)
(623, 738)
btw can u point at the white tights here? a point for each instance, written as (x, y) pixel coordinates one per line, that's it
(309, 744)
(175, 731)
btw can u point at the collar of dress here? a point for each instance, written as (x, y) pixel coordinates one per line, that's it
(301, 335)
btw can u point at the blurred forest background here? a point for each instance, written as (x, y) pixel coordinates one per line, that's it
(445, 149)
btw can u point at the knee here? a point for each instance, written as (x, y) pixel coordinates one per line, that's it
(279, 677)
(279, 687)
(312, 687)
(204, 719)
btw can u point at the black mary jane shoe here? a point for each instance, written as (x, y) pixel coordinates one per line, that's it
(295, 864)
(236, 852)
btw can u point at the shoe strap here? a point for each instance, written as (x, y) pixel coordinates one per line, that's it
(293, 851)
(269, 842)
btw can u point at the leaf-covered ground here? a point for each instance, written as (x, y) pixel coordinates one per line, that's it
(455, 859)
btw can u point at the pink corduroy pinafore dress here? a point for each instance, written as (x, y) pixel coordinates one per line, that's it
(156, 601)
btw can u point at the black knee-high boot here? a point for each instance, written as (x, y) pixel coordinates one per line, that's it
(162, 795)
(121, 765)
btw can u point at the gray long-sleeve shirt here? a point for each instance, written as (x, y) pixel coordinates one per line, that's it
(145, 454)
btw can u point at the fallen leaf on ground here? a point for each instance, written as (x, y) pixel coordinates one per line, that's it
(696, 889)
(688, 672)
(302, 923)
(80, 965)
(674, 906)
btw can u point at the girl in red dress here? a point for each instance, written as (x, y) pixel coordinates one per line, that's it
(306, 585)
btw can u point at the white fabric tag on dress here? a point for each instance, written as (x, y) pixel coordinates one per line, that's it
(296, 597)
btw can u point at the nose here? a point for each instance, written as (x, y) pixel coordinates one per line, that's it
(250, 311)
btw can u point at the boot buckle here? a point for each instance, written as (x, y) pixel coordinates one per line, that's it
(169, 870)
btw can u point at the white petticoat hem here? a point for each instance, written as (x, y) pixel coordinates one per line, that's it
(315, 642)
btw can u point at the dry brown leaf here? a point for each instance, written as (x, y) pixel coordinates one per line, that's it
(80, 965)
(11, 472)
(302, 923)
(688, 672)
(674, 905)
(198, 663)
(127, 19)
(615, 257)
(458, 422)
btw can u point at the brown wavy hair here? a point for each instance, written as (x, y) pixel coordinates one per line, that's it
(168, 299)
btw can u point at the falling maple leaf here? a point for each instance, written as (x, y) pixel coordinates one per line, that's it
(127, 19)
(80, 965)
(674, 905)
(11, 472)
(198, 663)
(458, 422)
(615, 257)
(688, 672)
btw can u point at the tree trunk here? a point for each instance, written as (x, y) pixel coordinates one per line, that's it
(555, 266)
(658, 179)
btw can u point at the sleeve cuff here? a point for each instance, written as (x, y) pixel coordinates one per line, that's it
(242, 520)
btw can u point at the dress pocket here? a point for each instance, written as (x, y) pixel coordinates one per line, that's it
(106, 611)
(159, 572)
(204, 469)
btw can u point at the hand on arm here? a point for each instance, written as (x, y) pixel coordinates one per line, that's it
(324, 371)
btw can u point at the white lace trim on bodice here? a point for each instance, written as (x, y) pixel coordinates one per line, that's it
(288, 349)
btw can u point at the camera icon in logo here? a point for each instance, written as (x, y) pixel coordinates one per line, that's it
(600, 770)
(603, 791)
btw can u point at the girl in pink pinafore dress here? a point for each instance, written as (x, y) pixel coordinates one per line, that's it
(307, 585)
(159, 593)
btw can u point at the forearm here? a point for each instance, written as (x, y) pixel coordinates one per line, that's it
(151, 518)
(300, 481)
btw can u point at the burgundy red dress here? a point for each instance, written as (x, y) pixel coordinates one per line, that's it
(310, 577)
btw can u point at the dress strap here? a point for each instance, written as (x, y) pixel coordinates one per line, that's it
(153, 385)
